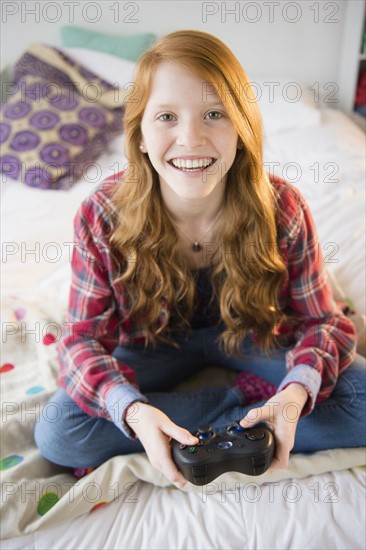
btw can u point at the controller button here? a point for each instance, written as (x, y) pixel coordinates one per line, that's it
(241, 444)
(225, 444)
(199, 470)
(182, 446)
(192, 450)
(210, 449)
(255, 435)
(235, 428)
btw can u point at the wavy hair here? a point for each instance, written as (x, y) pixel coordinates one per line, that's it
(144, 244)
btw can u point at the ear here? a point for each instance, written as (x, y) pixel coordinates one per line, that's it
(142, 146)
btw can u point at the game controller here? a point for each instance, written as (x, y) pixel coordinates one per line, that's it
(248, 451)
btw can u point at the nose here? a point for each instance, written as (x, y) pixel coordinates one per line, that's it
(191, 134)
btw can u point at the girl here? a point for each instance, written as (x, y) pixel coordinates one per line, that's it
(194, 256)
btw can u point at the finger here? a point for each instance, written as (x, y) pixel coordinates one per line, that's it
(265, 413)
(176, 477)
(179, 434)
(252, 417)
(280, 458)
(162, 461)
(170, 470)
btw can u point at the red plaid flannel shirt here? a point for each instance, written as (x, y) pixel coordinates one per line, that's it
(324, 339)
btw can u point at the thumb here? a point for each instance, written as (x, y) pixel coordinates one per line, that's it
(180, 434)
(253, 416)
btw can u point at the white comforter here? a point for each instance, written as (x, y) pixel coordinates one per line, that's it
(318, 503)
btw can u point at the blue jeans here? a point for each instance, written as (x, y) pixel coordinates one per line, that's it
(77, 440)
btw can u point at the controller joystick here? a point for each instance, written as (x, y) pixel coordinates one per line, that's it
(205, 432)
(235, 428)
(248, 451)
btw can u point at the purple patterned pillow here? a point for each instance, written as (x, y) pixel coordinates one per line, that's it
(58, 120)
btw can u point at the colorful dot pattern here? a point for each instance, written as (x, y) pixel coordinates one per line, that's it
(46, 502)
(10, 462)
(49, 339)
(49, 499)
(99, 504)
(7, 367)
(34, 390)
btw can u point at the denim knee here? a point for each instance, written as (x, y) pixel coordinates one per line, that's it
(340, 421)
(53, 432)
(67, 436)
(46, 435)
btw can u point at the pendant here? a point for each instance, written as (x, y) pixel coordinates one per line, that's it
(196, 247)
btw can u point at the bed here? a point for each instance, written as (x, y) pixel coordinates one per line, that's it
(319, 502)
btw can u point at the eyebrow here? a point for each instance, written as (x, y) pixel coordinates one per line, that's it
(170, 105)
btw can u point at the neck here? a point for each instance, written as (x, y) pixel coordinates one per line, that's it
(195, 231)
(194, 214)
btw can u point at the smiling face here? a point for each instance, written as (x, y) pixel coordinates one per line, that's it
(187, 134)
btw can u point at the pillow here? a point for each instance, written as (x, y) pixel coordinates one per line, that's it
(112, 69)
(284, 104)
(5, 79)
(127, 47)
(59, 119)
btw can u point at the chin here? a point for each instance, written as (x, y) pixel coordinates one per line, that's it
(194, 193)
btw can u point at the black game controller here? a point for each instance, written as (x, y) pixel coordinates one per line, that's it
(248, 451)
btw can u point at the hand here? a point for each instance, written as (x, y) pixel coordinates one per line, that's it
(155, 430)
(281, 412)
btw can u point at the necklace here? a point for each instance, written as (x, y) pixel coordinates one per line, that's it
(197, 246)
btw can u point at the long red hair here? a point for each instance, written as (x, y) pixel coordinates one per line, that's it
(246, 280)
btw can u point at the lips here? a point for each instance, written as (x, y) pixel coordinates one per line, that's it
(191, 164)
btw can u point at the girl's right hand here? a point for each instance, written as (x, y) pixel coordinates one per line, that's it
(155, 430)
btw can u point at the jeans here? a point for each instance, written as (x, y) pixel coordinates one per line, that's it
(80, 441)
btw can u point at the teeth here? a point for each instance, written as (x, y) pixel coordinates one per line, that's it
(196, 163)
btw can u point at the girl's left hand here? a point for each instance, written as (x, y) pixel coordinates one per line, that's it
(281, 412)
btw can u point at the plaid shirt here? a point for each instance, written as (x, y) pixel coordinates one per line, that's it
(323, 338)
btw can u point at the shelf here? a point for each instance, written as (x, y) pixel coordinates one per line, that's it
(352, 57)
(359, 120)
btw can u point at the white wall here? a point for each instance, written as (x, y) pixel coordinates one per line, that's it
(274, 38)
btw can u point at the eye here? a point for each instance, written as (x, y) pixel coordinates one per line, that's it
(166, 117)
(214, 115)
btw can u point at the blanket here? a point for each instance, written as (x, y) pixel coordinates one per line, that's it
(37, 494)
